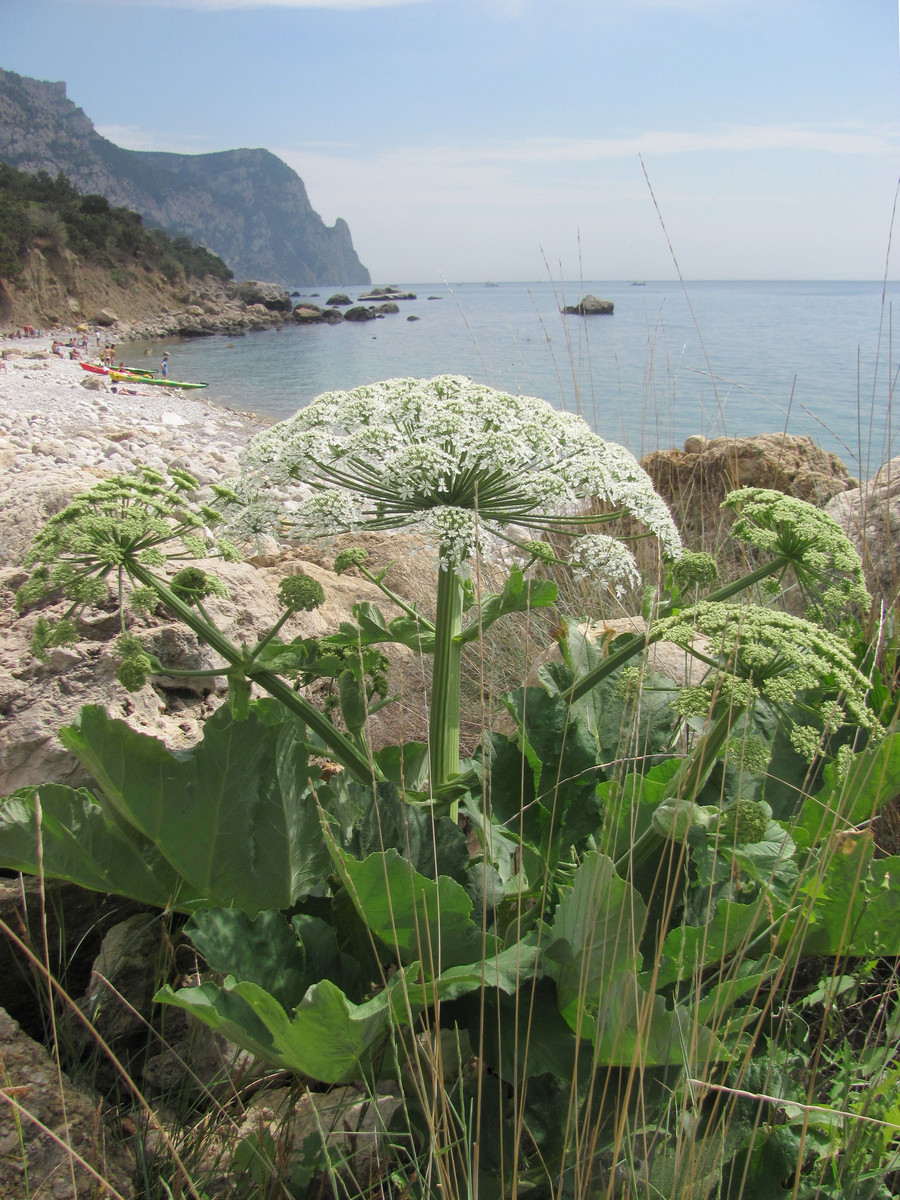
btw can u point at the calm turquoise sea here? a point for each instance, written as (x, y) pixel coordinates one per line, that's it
(712, 358)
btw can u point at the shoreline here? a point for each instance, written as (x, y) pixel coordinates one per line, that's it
(54, 414)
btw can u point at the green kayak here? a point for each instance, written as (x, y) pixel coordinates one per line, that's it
(122, 377)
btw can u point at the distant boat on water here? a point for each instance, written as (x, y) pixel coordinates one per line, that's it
(490, 283)
(638, 283)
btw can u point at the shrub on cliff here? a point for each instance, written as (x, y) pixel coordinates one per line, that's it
(38, 207)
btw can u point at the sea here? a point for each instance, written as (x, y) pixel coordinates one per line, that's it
(673, 360)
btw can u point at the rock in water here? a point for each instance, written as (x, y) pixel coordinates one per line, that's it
(590, 306)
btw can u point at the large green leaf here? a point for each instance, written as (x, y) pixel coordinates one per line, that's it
(82, 843)
(234, 816)
(384, 820)
(519, 595)
(872, 780)
(328, 1038)
(285, 958)
(424, 920)
(372, 627)
(855, 907)
(690, 949)
(594, 959)
(595, 934)
(542, 788)
(621, 727)
(629, 806)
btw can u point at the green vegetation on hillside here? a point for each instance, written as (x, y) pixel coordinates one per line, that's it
(38, 209)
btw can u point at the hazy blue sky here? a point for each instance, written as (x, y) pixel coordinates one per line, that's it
(476, 138)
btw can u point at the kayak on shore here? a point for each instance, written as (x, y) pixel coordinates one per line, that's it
(143, 372)
(125, 377)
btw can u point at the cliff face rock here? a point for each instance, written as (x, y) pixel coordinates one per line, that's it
(247, 206)
(57, 288)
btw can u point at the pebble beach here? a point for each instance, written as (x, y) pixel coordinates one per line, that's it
(53, 413)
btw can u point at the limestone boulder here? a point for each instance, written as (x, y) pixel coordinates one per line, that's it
(76, 920)
(338, 300)
(45, 1099)
(870, 516)
(390, 292)
(38, 698)
(359, 313)
(270, 295)
(694, 481)
(308, 314)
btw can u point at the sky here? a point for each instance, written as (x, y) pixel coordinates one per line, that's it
(521, 139)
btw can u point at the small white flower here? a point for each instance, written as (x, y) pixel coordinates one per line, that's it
(603, 560)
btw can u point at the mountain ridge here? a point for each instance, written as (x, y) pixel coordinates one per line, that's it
(246, 205)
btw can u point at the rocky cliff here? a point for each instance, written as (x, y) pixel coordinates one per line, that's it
(247, 206)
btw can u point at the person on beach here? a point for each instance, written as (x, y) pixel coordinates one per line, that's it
(165, 366)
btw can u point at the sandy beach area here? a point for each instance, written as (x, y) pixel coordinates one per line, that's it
(52, 412)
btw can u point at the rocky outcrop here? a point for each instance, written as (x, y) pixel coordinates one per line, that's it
(870, 516)
(391, 292)
(694, 481)
(57, 288)
(245, 205)
(39, 698)
(590, 306)
(269, 295)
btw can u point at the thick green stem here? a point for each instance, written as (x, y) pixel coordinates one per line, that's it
(443, 738)
(340, 747)
(689, 779)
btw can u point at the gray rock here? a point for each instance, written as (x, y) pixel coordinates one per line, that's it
(125, 976)
(590, 306)
(45, 1098)
(270, 295)
(870, 516)
(308, 314)
(339, 298)
(359, 313)
(386, 293)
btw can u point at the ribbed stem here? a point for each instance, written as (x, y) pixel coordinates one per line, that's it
(688, 780)
(443, 737)
(339, 746)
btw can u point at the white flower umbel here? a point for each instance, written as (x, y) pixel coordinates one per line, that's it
(458, 462)
(604, 560)
(406, 448)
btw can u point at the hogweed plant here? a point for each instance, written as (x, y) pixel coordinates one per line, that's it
(470, 468)
(655, 863)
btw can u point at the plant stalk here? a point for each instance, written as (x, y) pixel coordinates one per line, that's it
(443, 737)
(641, 641)
(340, 747)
